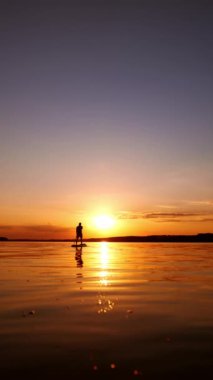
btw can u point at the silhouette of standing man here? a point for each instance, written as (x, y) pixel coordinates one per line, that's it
(79, 234)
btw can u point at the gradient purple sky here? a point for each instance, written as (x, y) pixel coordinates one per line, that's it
(106, 108)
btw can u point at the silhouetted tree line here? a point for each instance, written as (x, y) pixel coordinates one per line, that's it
(199, 238)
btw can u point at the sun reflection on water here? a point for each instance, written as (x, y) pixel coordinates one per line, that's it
(105, 304)
(104, 254)
(104, 257)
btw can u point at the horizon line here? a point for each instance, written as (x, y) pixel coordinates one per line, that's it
(206, 237)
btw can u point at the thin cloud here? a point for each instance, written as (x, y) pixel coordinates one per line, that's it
(130, 215)
(183, 220)
(168, 206)
(161, 215)
(167, 217)
(154, 215)
(35, 231)
(42, 227)
(208, 203)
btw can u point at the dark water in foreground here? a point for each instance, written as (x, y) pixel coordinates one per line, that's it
(116, 311)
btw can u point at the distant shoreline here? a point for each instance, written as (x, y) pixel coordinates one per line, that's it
(199, 238)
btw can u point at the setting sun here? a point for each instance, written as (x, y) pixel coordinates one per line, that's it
(104, 222)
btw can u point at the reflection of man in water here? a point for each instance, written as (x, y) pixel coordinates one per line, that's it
(79, 234)
(78, 257)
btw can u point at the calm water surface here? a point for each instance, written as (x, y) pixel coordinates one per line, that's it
(111, 311)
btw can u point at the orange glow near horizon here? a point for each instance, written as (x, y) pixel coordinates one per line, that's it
(105, 221)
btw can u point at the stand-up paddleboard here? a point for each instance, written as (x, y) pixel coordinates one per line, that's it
(79, 245)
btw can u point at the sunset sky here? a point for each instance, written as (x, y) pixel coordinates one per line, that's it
(106, 111)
